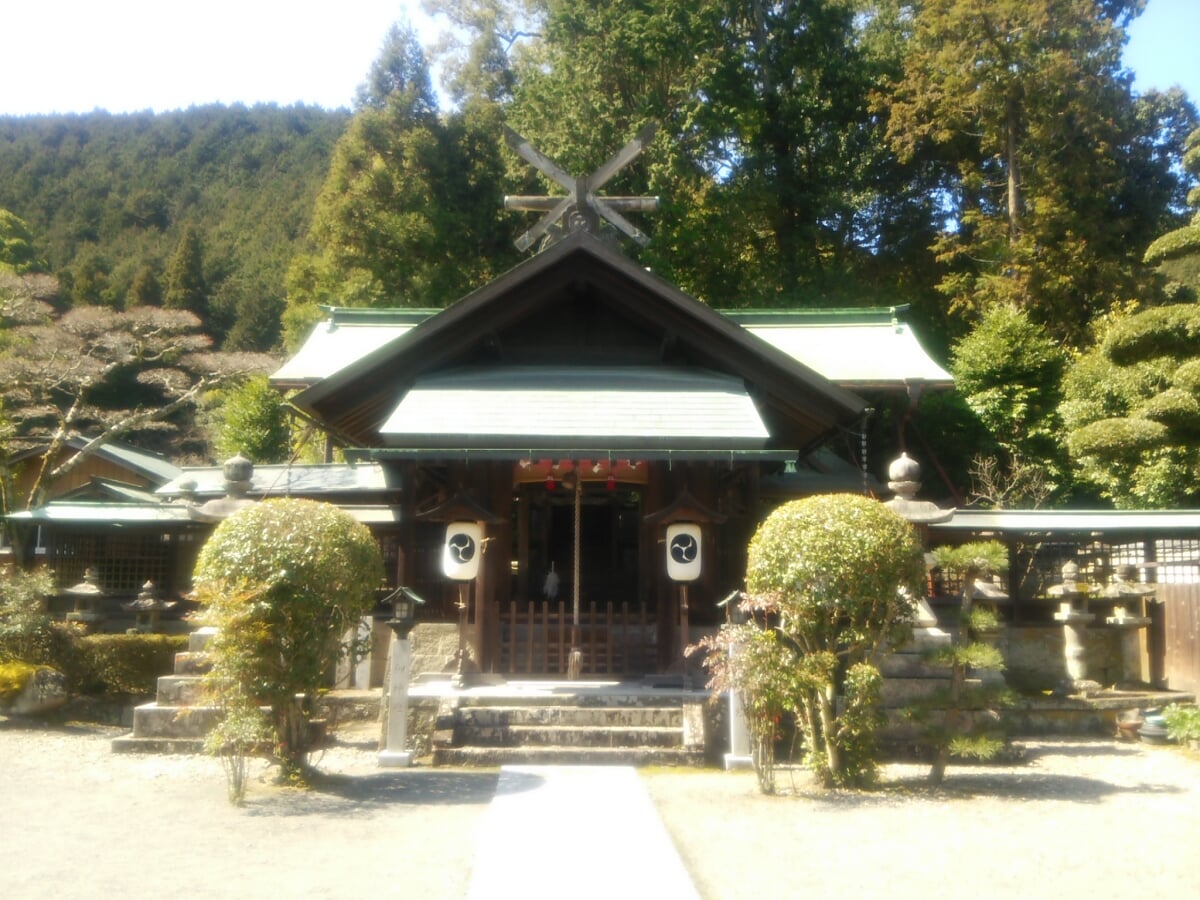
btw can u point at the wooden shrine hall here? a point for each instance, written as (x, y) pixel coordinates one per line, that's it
(577, 410)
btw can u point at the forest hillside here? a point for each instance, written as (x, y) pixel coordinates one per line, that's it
(113, 199)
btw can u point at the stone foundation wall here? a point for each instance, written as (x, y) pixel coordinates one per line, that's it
(1034, 656)
(433, 646)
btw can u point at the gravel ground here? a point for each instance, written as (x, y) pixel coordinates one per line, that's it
(81, 821)
(1077, 818)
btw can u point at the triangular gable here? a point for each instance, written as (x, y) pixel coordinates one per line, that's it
(582, 303)
(154, 467)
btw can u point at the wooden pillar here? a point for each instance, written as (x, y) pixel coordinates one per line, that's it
(524, 563)
(498, 559)
(406, 558)
(653, 568)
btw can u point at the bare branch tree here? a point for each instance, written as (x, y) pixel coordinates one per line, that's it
(97, 373)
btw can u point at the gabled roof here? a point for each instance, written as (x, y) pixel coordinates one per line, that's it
(854, 348)
(580, 271)
(154, 467)
(109, 489)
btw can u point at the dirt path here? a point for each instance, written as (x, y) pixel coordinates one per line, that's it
(1078, 819)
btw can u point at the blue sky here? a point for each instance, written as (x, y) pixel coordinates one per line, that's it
(132, 55)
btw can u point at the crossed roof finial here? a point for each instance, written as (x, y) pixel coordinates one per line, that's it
(581, 208)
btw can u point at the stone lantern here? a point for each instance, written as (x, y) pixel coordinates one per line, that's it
(87, 596)
(1075, 622)
(904, 481)
(239, 477)
(147, 609)
(1131, 624)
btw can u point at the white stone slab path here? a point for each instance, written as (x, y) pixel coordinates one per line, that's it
(575, 832)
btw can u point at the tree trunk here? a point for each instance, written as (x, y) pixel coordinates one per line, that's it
(958, 676)
(291, 740)
(833, 755)
(1011, 127)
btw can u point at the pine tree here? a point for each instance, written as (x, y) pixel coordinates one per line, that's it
(969, 727)
(145, 289)
(186, 288)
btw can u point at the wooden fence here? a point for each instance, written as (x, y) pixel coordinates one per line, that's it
(535, 639)
(1180, 636)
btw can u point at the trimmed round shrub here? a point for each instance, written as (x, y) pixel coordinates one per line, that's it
(1117, 438)
(283, 581)
(843, 573)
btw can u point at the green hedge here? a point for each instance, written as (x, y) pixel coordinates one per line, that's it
(124, 663)
(95, 663)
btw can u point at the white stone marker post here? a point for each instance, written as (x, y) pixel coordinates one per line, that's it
(738, 756)
(394, 755)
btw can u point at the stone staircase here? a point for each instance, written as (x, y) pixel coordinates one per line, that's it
(910, 680)
(177, 720)
(622, 726)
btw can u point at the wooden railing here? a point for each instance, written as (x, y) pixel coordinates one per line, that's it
(535, 639)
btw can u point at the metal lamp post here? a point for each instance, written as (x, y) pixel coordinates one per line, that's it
(404, 608)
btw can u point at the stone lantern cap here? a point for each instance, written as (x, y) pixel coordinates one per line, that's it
(88, 592)
(1070, 584)
(148, 602)
(1126, 586)
(904, 480)
(239, 476)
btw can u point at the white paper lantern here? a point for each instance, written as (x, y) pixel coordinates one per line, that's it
(464, 546)
(683, 551)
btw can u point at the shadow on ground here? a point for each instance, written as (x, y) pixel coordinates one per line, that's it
(351, 794)
(965, 781)
(1024, 786)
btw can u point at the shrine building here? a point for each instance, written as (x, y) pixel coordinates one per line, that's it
(575, 412)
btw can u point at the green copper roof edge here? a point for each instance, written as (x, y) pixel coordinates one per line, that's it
(484, 454)
(414, 315)
(398, 315)
(841, 315)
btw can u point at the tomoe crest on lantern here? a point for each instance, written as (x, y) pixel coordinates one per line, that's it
(460, 555)
(683, 551)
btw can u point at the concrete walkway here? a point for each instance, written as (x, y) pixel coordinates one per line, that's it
(578, 832)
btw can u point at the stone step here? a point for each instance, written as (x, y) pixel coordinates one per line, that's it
(925, 639)
(579, 756)
(192, 663)
(129, 744)
(593, 700)
(910, 665)
(900, 692)
(174, 722)
(903, 728)
(601, 716)
(180, 690)
(198, 640)
(568, 736)
(174, 742)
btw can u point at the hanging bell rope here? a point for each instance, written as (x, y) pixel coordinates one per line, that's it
(575, 660)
